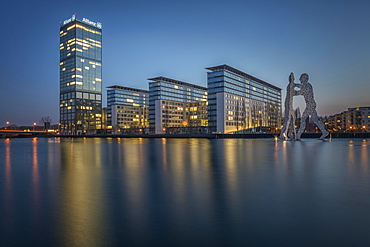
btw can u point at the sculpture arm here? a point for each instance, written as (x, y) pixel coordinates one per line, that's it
(298, 92)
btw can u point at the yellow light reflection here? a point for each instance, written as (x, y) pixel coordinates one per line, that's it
(35, 163)
(9, 202)
(8, 167)
(364, 156)
(134, 179)
(35, 181)
(82, 206)
(164, 153)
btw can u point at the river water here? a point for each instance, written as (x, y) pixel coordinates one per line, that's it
(184, 192)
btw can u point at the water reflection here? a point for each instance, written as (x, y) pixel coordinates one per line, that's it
(364, 156)
(162, 192)
(8, 188)
(82, 220)
(35, 185)
(8, 167)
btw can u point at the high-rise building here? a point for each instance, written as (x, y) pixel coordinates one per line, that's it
(175, 104)
(127, 108)
(238, 101)
(80, 76)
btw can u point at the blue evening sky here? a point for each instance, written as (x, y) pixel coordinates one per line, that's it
(328, 39)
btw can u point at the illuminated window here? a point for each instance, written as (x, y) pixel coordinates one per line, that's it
(73, 26)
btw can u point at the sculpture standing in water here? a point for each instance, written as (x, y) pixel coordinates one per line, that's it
(289, 115)
(306, 90)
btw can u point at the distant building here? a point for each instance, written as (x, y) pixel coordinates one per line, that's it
(80, 76)
(175, 104)
(354, 119)
(127, 108)
(238, 101)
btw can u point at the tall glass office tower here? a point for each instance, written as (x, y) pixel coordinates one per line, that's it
(80, 76)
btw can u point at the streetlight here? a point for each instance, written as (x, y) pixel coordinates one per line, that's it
(7, 124)
(34, 126)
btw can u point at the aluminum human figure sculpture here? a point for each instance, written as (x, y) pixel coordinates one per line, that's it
(307, 91)
(289, 116)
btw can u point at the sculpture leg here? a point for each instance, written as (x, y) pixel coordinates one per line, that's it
(284, 131)
(321, 126)
(292, 132)
(303, 125)
(293, 125)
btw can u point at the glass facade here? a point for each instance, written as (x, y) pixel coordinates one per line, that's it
(238, 101)
(127, 107)
(169, 104)
(80, 76)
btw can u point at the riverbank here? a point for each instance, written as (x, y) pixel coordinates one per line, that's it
(207, 136)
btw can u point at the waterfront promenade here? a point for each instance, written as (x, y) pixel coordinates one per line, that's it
(15, 133)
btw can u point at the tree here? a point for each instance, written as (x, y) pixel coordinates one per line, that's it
(46, 121)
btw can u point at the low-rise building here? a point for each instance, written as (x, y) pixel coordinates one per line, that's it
(175, 104)
(238, 101)
(354, 119)
(127, 108)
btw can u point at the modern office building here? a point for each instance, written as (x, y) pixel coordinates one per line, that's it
(127, 108)
(238, 101)
(80, 76)
(174, 104)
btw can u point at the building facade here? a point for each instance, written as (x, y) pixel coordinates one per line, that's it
(238, 101)
(80, 76)
(354, 119)
(127, 108)
(176, 104)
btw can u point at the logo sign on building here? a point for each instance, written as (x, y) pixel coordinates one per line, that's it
(95, 24)
(69, 20)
